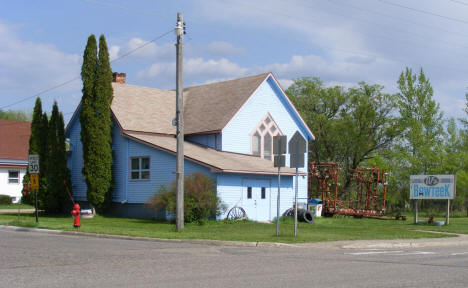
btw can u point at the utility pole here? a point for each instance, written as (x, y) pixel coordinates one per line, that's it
(179, 31)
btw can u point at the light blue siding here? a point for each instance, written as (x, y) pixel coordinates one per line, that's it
(162, 167)
(162, 171)
(119, 164)
(75, 160)
(232, 189)
(208, 140)
(236, 135)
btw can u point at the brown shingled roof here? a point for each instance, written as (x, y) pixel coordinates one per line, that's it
(14, 141)
(207, 107)
(218, 161)
(210, 107)
(143, 109)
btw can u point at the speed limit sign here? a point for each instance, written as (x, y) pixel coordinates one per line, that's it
(33, 164)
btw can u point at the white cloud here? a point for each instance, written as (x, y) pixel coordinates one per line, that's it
(143, 50)
(357, 41)
(213, 49)
(114, 52)
(196, 70)
(29, 67)
(211, 68)
(285, 83)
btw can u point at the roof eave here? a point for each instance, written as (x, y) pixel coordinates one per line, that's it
(256, 172)
(312, 137)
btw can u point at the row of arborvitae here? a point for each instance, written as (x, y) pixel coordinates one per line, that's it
(48, 138)
(48, 141)
(96, 123)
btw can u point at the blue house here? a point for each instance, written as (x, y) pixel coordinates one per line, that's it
(229, 129)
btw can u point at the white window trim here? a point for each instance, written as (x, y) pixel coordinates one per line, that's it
(19, 177)
(140, 170)
(262, 134)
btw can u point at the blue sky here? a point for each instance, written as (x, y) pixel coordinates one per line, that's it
(342, 42)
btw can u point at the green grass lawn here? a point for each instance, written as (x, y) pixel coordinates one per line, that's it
(15, 206)
(324, 229)
(457, 225)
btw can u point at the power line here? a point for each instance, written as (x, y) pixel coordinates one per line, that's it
(424, 12)
(400, 18)
(333, 48)
(79, 77)
(40, 93)
(448, 44)
(141, 46)
(459, 2)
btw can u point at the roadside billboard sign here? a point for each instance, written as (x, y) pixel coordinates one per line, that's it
(440, 187)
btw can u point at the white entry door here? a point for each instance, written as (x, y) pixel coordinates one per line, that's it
(257, 199)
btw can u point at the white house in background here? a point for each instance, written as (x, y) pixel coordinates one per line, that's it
(14, 145)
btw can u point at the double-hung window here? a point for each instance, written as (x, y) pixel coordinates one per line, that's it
(140, 168)
(13, 177)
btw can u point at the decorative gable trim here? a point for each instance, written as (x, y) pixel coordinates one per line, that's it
(295, 114)
(301, 121)
(247, 100)
(72, 120)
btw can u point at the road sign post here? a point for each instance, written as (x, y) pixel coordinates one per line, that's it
(33, 169)
(297, 148)
(279, 149)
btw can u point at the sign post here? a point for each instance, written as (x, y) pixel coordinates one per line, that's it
(439, 187)
(279, 149)
(33, 168)
(297, 148)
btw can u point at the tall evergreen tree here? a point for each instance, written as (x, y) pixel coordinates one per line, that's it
(95, 119)
(34, 144)
(104, 95)
(57, 170)
(44, 147)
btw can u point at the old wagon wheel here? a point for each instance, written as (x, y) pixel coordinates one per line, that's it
(236, 213)
(289, 213)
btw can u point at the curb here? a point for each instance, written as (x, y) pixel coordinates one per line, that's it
(460, 240)
(165, 240)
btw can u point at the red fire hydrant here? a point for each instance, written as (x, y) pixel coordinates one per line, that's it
(76, 215)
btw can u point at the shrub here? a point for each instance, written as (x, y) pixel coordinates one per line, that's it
(5, 200)
(200, 199)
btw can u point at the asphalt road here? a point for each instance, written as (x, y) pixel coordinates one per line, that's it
(45, 260)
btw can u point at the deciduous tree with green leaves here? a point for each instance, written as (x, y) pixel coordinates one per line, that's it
(15, 115)
(351, 126)
(420, 150)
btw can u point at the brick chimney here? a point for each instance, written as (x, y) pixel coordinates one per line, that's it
(119, 77)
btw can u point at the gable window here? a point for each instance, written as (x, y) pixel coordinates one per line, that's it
(262, 137)
(13, 177)
(140, 168)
